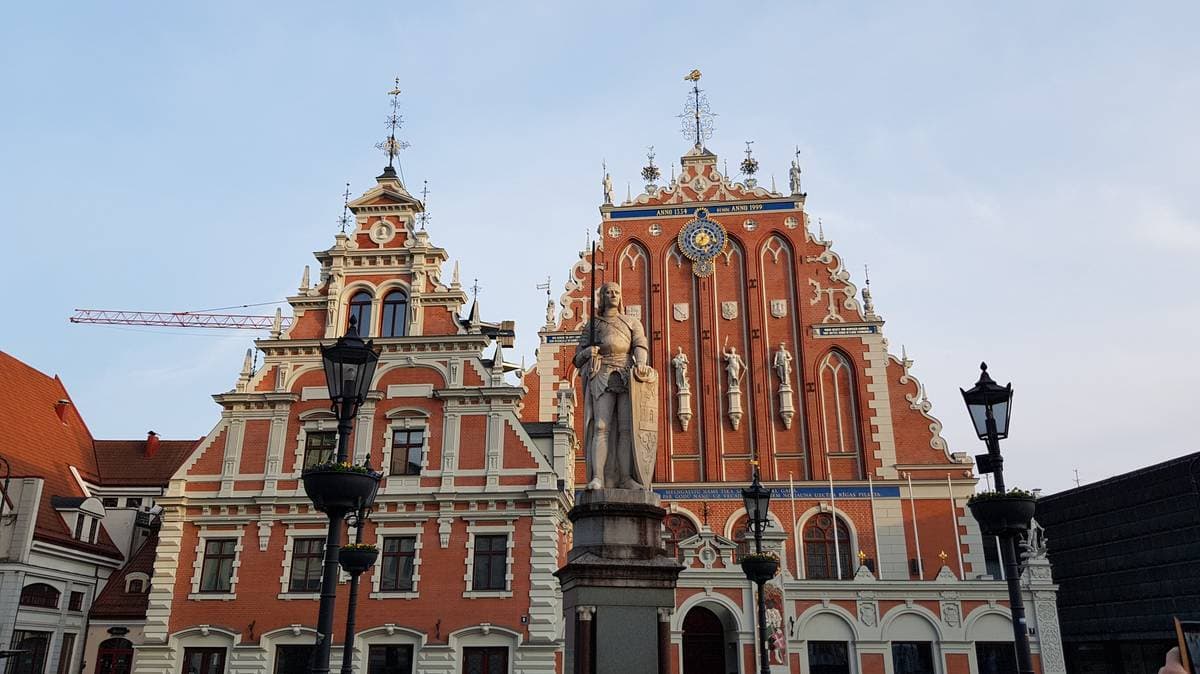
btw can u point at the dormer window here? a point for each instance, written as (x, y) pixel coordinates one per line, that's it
(360, 310)
(135, 586)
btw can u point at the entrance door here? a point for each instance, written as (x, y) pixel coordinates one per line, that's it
(115, 656)
(703, 642)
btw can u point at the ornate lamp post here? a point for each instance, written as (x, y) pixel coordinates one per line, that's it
(990, 406)
(758, 567)
(339, 487)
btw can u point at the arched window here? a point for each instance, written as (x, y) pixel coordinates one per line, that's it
(822, 553)
(679, 528)
(115, 656)
(360, 311)
(395, 314)
(839, 405)
(40, 595)
(743, 537)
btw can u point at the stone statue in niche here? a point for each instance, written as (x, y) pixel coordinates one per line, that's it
(734, 366)
(621, 397)
(783, 369)
(683, 391)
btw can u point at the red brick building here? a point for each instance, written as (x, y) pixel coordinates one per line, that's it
(470, 514)
(771, 354)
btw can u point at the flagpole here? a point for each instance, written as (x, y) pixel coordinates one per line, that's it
(837, 548)
(954, 522)
(795, 538)
(912, 503)
(875, 528)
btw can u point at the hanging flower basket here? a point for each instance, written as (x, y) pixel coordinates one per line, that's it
(339, 487)
(1000, 514)
(760, 567)
(357, 558)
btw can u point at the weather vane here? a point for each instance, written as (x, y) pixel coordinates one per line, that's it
(424, 205)
(749, 165)
(696, 119)
(345, 219)
(391, 147)
(475, 290)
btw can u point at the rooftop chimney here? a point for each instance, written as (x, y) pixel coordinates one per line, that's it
(151, 444)
(60, 408)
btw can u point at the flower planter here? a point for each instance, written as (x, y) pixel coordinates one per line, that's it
(1000, 515)
(356, 561)
(340, 490)
(760, 569)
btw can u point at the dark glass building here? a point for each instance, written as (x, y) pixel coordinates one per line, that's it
(1126, 555)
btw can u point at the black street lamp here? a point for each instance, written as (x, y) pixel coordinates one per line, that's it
(759, 568)
(990, 405)
(338, 488)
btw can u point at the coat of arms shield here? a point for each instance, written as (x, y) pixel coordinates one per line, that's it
(778, 308)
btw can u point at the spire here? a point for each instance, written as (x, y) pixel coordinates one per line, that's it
(345, 219)
(498, 364)
(549, 303)
(391, 146)
(749, 165)
(424, 216)
(650, 172)
(277, 324)
(248, 363)
(304, 280)
(696, 118)
(473, 318)
(455, 281)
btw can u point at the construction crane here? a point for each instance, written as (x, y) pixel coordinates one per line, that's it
(179, 319)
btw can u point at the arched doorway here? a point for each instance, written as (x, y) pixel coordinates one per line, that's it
(710, 640)
(115, 656)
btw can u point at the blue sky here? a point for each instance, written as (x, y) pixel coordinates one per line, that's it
(1020, 177)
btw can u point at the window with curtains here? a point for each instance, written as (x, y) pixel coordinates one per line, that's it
(840, 431)
(360, 310)
(678, 529)
(823, 553)
(395, 315)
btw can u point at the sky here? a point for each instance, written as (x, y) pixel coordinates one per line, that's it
(1021, 178)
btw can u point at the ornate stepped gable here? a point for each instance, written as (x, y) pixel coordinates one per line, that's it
(815, 381)
(477, 469)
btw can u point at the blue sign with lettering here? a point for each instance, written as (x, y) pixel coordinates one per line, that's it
(735, 493)
(722, 209)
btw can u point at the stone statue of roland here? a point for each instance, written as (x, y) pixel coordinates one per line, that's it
(620, 397)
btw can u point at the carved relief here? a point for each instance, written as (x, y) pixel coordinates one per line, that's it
(779, 308)
(729, 310)
(680, 311)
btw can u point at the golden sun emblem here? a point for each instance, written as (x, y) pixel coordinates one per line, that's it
(702, 239)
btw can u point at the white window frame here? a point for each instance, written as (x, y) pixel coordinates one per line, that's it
(489, 528)
(383, 532)
(291, 533)
(411, 420)
(202, 539)
(310, 421)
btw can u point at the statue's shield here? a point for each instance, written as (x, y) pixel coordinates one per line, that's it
(643, 397)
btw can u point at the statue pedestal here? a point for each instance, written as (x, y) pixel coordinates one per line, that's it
(618, 584)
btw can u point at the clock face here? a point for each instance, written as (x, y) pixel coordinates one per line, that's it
(701, 240)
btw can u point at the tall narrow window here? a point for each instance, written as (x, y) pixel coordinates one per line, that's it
(839, 405)
(396, 574)
(395, 315)
(823, 554)
(216, 575)
(66, 653)
(491, 562)
(678, 529)
(360, 310)
(33, 647)
(407, 447)
(319, 447)
(307, 555)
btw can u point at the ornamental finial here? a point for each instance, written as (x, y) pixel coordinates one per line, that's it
(696, 118)
(391, 146)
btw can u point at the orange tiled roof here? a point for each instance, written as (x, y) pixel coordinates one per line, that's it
(123, 463)
(113, 601)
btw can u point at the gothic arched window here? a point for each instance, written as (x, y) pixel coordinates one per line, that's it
(678, 529)
(360, 311)
(823, 554)
(395, 314)
(839, 405)
(743, 537)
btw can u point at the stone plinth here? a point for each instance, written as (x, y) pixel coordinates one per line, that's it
(618, 584)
